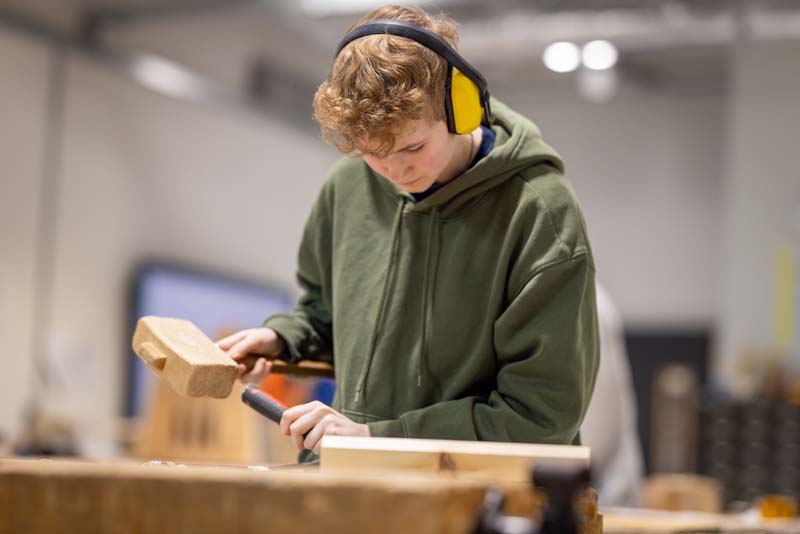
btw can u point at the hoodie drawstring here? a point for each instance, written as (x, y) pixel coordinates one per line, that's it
(361, 385)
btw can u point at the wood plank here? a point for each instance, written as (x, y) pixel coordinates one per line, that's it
(644, 521)
(470, 459)
(650, 521)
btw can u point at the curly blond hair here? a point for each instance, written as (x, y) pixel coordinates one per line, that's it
(378, 84)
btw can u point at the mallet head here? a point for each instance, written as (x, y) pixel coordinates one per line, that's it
(184, 357)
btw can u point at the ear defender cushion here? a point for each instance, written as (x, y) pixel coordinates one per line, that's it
(466, 101)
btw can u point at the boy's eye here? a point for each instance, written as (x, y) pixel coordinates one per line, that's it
(415, 149)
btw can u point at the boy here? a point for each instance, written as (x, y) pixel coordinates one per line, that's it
(446, 269)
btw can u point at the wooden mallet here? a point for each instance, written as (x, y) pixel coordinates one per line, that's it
(193, 365)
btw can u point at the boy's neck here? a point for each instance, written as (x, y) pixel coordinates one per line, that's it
(465, 148)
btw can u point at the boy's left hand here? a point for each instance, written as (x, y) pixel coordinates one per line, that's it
(318, 420)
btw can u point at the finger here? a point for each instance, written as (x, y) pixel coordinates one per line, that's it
(291, 414)
(241, 348)
(318, 445)
(267, 367)
(314, 437)
(259, 372)
(259, 368)
(251, 373)
(245, 375)
(227, 342)
(241, 371)
(303, 424)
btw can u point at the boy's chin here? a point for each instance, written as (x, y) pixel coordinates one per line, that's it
(417, 186)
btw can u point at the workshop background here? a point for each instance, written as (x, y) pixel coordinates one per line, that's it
(177, 135)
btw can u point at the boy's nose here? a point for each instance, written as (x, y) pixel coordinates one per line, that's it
(397, 172)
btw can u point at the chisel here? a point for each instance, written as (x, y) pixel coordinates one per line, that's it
(264, 404)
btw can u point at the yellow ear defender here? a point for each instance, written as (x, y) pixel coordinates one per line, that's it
(466, 94)
(465, 100)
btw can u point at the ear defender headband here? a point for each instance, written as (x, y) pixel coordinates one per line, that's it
(466, 99)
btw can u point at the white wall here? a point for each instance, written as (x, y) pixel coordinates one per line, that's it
(647, 169)
(762, 193)
(23, 71)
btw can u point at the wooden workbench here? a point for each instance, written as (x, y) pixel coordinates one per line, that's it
(60, 496)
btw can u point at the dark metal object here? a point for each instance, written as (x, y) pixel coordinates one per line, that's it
(561, 483)
(302, 465)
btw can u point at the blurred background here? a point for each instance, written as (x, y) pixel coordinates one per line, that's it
(159, 156)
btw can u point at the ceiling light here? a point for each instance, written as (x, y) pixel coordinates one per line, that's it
(562, 56)
(599, 55)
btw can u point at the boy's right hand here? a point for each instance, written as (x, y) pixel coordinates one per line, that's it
(253, 341)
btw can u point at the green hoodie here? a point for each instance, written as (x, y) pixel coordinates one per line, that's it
(468, 315)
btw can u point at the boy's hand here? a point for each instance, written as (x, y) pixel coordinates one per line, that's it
(253, 341)
(318, 420)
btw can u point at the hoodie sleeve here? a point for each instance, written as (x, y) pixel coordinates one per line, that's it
(307, 330)
(547, 347)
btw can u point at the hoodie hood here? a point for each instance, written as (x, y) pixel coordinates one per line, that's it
(518, 145)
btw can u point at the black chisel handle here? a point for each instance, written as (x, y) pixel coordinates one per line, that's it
(262, 403)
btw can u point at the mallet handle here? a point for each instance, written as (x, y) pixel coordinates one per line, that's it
(301, 369)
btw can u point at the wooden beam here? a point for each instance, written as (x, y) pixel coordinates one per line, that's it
(509, 462)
